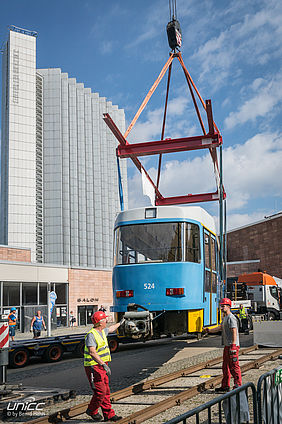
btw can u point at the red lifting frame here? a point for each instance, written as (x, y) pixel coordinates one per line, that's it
(210, 140)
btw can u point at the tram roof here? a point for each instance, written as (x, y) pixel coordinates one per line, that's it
(169, 212)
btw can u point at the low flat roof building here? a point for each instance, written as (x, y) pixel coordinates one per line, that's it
(256, 246)
(25, 285)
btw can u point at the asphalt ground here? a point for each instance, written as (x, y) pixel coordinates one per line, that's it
(131, 364)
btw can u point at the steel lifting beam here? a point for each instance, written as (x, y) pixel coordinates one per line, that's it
(151, 91)
(189, 198)
(123, 142)
(211, 140)
(169, 146)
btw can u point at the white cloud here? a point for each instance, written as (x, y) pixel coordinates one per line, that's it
(251, 171)
(177, 124)
(106, 47)
(252, 37)
(267, 97)
(236, 220)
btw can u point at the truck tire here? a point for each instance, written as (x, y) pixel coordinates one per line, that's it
(271, 316)
(53, 353)
(19, 358)
(250, 323)
(239, 323)
(79, 350)
(113, 345)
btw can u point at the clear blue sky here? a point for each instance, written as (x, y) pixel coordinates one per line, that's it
(233, 51)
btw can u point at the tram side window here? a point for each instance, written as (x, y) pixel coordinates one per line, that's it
(213, 262)
(207, 251)
(213, 265)
(192, 238)
(207, 281)
(210, 263)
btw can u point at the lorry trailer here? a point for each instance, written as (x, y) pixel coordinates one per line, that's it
(50, 349)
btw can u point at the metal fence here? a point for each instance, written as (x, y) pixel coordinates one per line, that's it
(269, 391)
(234, 406)
(246, 404)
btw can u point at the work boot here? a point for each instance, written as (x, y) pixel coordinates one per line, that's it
(95, 417)
(113, 419)
(222, 389)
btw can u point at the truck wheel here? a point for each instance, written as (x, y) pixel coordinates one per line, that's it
(271, 316)
(53, 353)
(113, 345)
(19, 358)
(79, 350)
(239, 323)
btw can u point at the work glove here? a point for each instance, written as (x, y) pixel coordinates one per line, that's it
(122, 321)
(107, 369)
(233, 350)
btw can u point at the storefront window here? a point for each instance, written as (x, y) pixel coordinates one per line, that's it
(30, 294)
(11, 294)
(61, 293)
(43, 294)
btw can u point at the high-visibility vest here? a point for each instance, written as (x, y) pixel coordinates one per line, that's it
(242, 313)
(12, 321)
(102, 348)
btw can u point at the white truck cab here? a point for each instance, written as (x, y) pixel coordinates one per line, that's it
(262, 291)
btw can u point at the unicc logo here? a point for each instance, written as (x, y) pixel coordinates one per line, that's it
(28, 407)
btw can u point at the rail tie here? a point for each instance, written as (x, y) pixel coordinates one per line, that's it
(175, 400)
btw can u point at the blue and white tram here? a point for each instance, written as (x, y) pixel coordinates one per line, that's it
(165, 276)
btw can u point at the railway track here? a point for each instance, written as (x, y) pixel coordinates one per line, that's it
(156, 392)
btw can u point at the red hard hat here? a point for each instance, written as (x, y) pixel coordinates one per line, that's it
(98, 316)
(226, 301)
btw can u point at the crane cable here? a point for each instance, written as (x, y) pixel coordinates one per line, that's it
(172, 9)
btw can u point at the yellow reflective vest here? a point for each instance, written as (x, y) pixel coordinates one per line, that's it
(242, 313)
(102, 348)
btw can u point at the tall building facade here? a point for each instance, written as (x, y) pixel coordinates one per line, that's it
(80, 183)
(18, 141)
(59, 180)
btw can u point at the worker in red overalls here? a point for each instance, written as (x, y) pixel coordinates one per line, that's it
(96, 358)
(230, 338)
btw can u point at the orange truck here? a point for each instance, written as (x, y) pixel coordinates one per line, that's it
(263, 292)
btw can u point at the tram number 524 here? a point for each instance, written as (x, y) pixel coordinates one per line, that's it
(149, 286)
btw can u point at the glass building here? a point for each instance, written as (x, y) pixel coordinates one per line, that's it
(59, 182)
(18, 141)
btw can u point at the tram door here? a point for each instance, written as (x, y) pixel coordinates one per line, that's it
(210, 278)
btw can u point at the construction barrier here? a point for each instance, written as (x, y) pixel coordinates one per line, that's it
(234, 405)
(269, 392)
(246, 404)
(4, 347)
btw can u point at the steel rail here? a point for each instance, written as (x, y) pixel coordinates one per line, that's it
(153, 410)
(76, 410)
(140, 416)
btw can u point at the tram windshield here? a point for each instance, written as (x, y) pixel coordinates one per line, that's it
(157, 242)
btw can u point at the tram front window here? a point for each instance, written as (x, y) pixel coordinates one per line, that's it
(140, 243)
